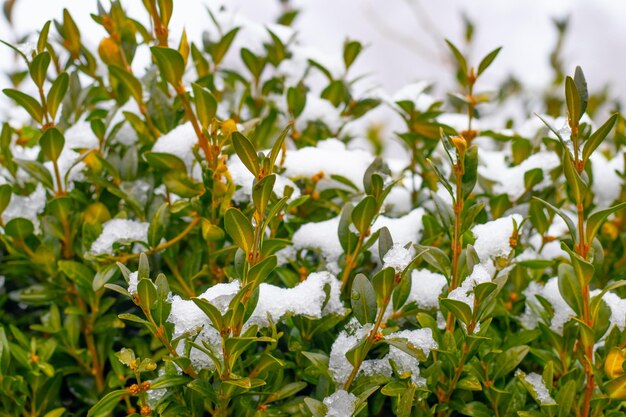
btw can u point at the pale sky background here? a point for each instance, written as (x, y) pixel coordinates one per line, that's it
(404, 37)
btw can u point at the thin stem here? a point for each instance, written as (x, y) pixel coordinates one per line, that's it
(456, 238)
(202, 140)
(57, 176)
(350, 259)
(126, 257)
(371, 339)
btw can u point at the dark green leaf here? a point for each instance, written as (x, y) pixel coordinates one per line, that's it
(239, 229)
(39, 67)
(363, 299)
(246, 152)
(487, 60)
(363, 214)
(206, 105)
(597, 137)
(171, 64)
(57, 93)
(52, 142)
(31, 105)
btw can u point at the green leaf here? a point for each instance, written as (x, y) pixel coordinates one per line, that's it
(572, 99)
(343, 230)
(43, 37)
(436, 258)
(79, 273)
(383, 283)
(570, 224)
(171, 64)
(278, 145)
(164, 161)
(532, 177)
(5, 197)
(57, 93)
(351, 50)
(363, 299)
(616, 388)
(246, 152)
(52, 142)
(179, 183)
(206, 105)
(158, 225)
(286, 391)
(255, 64)
(296, 100)
(239, 229)
(31, 105)
(146, 292)
(569, 287)
(597, 137)
(219, 49)
(574, 180)
(584, 270)
(385, 242)
(37, 171)
(39, 67)
(19, 228)
(487, 60)
(459, 58)
(508, 360)
(471, 170)
(129, 81)
(262, 192)
(167, 381)
(71, 34)
(107, 404)
(566, 398)
(260, 271)
(363, 214)
(212, 312)
(143, 269)
(459, 309)
(581, 86)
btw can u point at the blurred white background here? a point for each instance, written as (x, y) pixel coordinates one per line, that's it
(404, 37)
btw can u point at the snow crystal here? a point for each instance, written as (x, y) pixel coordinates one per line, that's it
(323, 236)
(340, 368)
(492, 238)
(178, 142)
(119, 230)
(319, 109)
(617, 306)
(27, 207)
(132, 282)
(606, 184)
(338, 365)
(187, 317)
(541, 391)
(330, 157)
(340, 404)
(510, 180)
(405, 229)
(419, 338)
(397, 257)
(415, 93)
(307, 298)
(426, 286)
(550, 291)
(80, 136)
(465, 292)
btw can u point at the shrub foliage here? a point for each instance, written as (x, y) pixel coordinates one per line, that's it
(220, 234)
